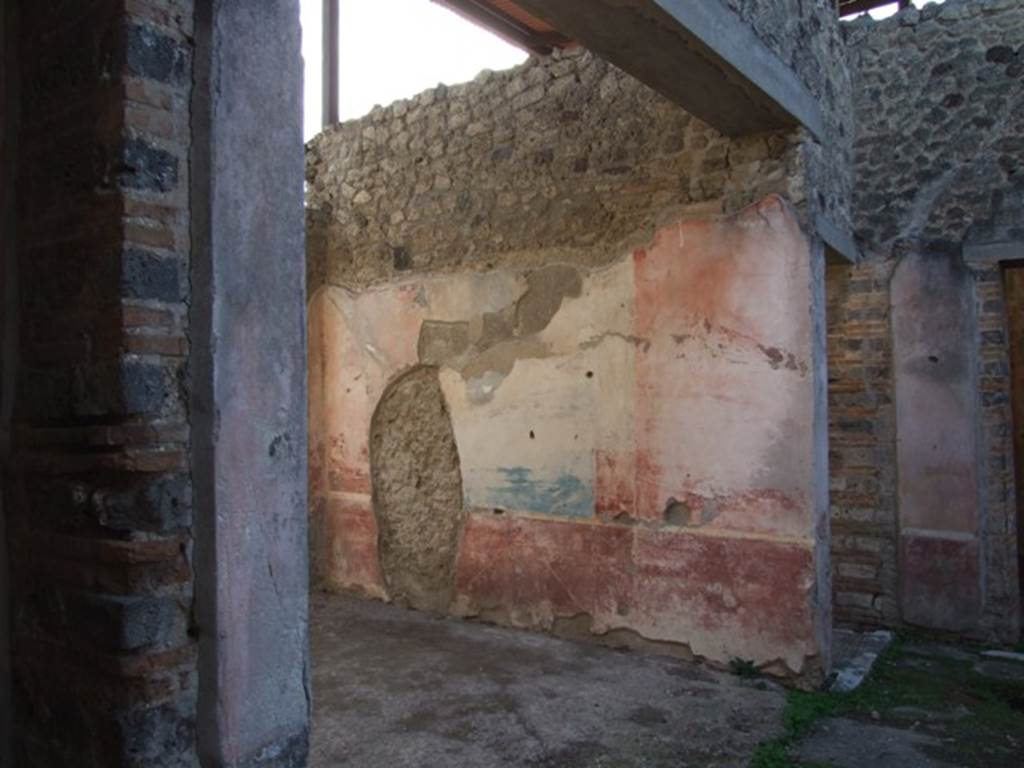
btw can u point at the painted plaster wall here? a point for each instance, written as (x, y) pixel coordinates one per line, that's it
(636, 441)
(932, 321)
(939, 100)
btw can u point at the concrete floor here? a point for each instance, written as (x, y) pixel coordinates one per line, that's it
(396, 688)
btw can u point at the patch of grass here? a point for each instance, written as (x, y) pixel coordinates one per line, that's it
(802, 711)
(992, 708)
(744, 668)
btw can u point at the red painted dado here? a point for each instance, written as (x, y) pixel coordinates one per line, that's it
(721, 590)
(940, 581)
(530, 571)
(723, 597)
(349, 539)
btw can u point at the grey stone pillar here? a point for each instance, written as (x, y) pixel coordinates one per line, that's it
(249, 390)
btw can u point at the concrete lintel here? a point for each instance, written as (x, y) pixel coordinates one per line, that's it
(836, 240)
(990, 253)
(698, 53)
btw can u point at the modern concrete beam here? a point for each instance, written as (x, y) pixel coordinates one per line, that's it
(837, 241)
(698, 53)
(993, 252)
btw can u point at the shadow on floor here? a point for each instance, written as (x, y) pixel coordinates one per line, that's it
(394, 688)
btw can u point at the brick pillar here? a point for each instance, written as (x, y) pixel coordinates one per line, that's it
(1001, 607)
(100, 514)
(862, 444)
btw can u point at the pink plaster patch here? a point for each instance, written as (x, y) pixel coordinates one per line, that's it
(724, 399)
(347, 473)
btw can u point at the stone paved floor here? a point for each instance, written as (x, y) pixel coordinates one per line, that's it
(393, 688)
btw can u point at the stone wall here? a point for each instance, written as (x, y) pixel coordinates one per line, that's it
(939, 100)
(940, 124)
(807, 36)
(565, 158)
(99, 511)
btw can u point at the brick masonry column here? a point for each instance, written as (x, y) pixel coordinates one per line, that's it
(862, 443)
(1001, 610)
(100, 507)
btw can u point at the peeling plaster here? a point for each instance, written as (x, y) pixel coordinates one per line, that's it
(655, 406)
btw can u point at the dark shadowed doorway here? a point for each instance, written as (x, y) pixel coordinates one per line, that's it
(1014, 278)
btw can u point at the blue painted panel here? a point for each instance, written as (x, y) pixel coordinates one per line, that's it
(564, 496)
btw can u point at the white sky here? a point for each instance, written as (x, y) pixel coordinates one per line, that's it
(888, 10)
(392, 49)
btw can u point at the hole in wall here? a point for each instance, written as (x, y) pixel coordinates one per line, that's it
(417, 491)
(676, 512)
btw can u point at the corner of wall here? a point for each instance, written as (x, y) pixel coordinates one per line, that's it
(822, 527)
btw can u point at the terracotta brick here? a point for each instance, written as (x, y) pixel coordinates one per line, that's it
(155, 122)
(149, 93)
(156, 236)
(154, 344)
(117, 435)
(136, 316)
(155, 212)
(125, 461)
